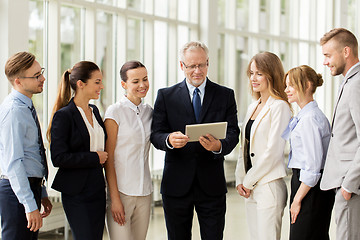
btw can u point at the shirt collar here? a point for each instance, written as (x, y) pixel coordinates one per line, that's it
(308, 107)
(130, 104)
(192, 88)
(349, 71)
(26, 100)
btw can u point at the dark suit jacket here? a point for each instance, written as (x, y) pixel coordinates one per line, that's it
(70, 150)
(172, 111)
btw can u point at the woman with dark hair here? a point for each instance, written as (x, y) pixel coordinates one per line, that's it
(309, 136)
(128, 125)
(77, 135)
(261, 166)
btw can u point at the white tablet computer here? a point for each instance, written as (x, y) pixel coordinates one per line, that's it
(194, 131)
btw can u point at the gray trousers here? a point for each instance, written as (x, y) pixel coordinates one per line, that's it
(347, 217)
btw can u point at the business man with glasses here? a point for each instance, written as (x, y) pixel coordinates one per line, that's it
(22, 153)
(193, 176)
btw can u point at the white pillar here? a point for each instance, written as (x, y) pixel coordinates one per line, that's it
(209, 34)
(14, 37)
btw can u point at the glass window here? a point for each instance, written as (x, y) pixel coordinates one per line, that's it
(70, 37)
(183, 10)
(283, 18)
(241, 14)
(304, 20)
(264, 17)
(36, 46)
(161, 8)
(160, 58)
(242, 81)
(221, 13)
(221, 59)
(109, 2)
(104, 57)
(303, 53)
(183, 37)
(135, 4)
(160, 75)
(263, 45)
(134, 37)
(284, 51)
(351, 14)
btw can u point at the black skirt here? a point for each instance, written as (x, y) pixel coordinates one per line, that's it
(313, 221)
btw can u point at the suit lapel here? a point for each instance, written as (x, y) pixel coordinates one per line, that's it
(79, 122)
(208, 98)
(249, 113)
(260, 117)
(183, 95)
(351, 74)
(99, 119)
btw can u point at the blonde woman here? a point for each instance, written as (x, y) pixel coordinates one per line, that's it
(261, 166)
(309, 136)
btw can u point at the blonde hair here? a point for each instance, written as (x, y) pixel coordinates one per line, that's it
(300, 76)
(270, 65)
(343, 37)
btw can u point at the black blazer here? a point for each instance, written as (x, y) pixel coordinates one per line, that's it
(172, 111)
(70, 150)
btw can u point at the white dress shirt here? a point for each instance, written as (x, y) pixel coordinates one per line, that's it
(96, 132)
(132, 146)
(309, 141)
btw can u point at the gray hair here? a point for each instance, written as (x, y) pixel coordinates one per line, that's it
(191, 46)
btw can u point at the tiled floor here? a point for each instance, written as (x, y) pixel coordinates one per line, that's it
(235, 226)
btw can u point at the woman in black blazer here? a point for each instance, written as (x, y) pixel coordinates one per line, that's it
(77, 135)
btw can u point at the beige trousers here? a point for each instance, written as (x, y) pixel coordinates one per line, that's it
(264, 210)
(137, 216)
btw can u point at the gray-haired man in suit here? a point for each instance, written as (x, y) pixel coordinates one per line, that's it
(342, 166)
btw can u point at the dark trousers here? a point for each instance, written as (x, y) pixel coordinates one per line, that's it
(13, 217)
(210, 212)
(86, 212)
(313, 221)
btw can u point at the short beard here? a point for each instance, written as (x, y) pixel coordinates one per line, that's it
(339, 70)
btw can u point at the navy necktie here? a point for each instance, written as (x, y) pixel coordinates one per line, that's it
(197, 104)
(40, 141)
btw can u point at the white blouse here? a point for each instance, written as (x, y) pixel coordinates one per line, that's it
(96, 132)
(132, 146)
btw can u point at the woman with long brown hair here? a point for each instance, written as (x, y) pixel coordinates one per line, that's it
(77, 135)
(261, 166)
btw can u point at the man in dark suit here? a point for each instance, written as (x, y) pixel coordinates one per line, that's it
(193, 174)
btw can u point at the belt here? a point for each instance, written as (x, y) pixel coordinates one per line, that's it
(32, 180)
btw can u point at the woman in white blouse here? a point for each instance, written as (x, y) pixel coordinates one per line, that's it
(128, 125)
(309, 136)
(261, 166)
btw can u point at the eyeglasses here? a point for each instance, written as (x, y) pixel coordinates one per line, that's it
(201, 66)
(37, 76)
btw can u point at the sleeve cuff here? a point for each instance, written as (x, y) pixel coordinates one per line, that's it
(43, 192)
(346, 189)
(31, 206)
(309, 178)
(219, 152)
(167, 142)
